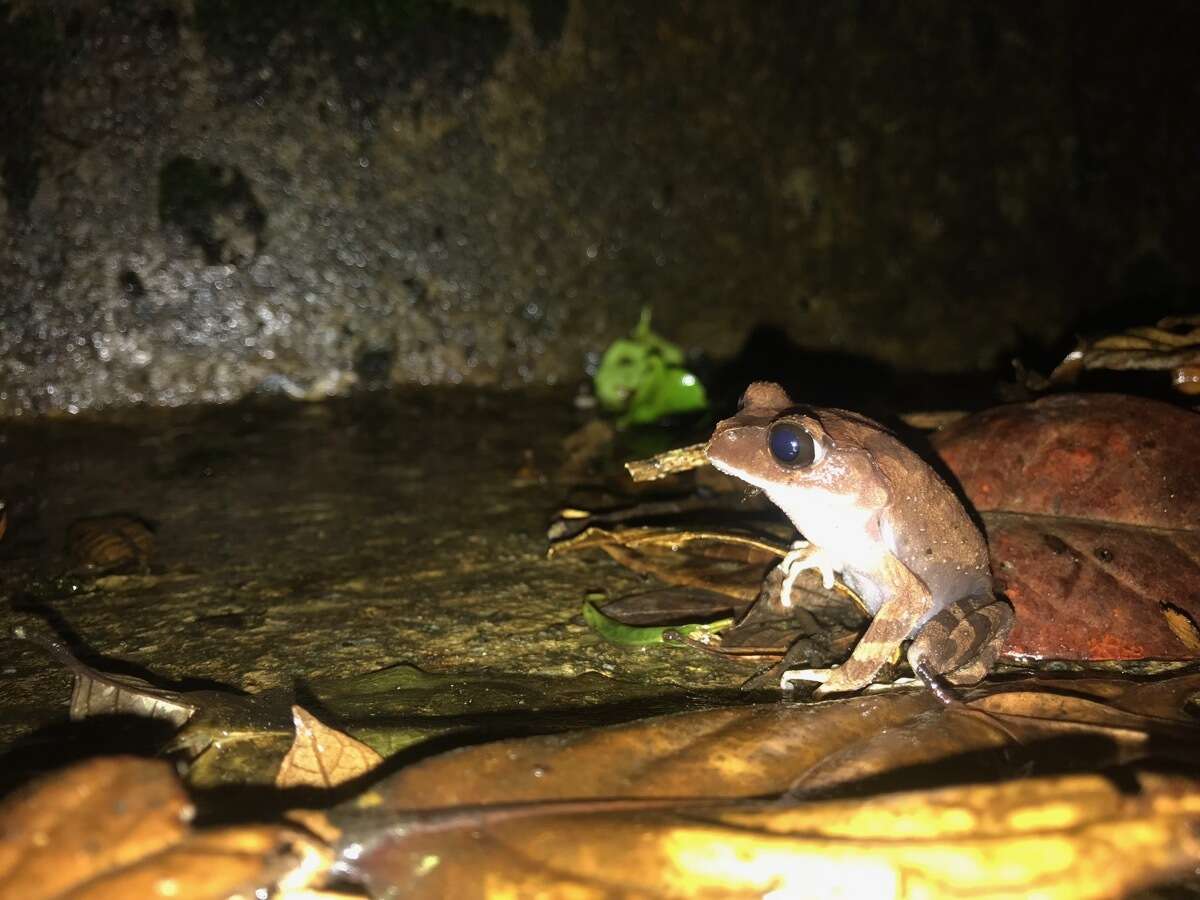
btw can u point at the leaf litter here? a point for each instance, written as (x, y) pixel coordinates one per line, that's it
(893, 792)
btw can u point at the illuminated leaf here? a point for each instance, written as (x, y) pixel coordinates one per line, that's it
(117, 827)
(322, 756)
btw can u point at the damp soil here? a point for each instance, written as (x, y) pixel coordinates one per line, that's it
(298, 541)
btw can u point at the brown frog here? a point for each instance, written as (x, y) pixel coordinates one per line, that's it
(876, 514)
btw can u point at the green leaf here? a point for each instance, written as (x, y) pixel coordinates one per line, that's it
(641, 378)
(666, 392)
(634, 636)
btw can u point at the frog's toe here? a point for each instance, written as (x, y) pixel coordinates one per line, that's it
(828, 681)
(790, 679)
(843, 681)
(785, 589)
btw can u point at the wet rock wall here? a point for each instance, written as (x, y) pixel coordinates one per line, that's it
(205, 198)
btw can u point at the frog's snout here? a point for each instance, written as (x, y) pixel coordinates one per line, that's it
(720, 437)
(729, 450)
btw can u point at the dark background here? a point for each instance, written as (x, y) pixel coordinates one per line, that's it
(203, 199)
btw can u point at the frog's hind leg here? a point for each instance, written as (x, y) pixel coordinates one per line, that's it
(962, 642)
(878, 647)
(893, 623)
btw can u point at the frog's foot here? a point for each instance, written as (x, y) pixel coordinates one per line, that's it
(802, 557)
(880, 644)
(950, 699)
(828, 681)
(958, 646)
(790, 679)
(793, 678)
(847, 678)
(961, 643)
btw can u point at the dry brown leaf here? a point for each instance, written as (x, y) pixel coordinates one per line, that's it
(753, 750)
(65, 830)
(1089, 504)
(322, 756)
(1067, 837)
(1093, 591)
(1063, 837)
(732, 564)
(1182, 625)
(244, 861)
(949, 745)
(670, 606)
(718, 544)
(772, 749)
(116, 827)
(97, 693)
(314, 821)
(110, 543)
(1092, 722)
(1173, 345)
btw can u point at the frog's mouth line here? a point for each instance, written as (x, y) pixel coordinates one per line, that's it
(726, 469)
(749, 490)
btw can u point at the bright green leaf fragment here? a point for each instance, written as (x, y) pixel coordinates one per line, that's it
(642, 379)
(635, 636)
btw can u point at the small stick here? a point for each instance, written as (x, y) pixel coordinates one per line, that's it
(681, 459)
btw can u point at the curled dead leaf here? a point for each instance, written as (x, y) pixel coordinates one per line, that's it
(229, 738)
(669, 606)
(322, 756)
(97, 693)
(1182, 625)
(1172, 345)
(110, 543)
(731, 564)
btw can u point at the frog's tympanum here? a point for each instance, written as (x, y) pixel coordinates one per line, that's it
(875, 513)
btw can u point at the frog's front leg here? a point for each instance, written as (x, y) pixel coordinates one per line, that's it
(961, 643)
(800, 558)
(909, 601)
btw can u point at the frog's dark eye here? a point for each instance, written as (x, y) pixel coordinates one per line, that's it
(792, 445)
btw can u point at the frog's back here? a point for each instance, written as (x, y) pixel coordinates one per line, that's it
(926, 527)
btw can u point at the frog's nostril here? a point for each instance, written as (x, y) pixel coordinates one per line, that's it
(722, 438)
(722, 427)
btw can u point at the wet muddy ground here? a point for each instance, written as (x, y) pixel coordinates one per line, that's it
(297, 541)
